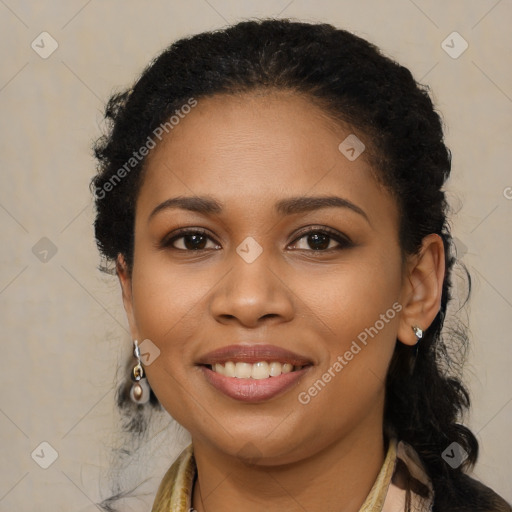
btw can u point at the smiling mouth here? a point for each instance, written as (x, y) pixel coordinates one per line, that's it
(258, 371)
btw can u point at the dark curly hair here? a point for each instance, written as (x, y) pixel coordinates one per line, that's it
(355, 84)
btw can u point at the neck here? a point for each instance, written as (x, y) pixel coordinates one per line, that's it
(337, 478)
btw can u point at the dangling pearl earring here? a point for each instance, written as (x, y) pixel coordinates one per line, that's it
(140, 390)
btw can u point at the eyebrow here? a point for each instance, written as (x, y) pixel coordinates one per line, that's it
(288, 206)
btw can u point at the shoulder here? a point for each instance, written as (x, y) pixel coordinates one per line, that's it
(470, 495)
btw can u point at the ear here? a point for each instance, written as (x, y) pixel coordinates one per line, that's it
(126, 287)
(422, 288)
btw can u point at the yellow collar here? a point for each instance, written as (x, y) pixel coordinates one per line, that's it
(387, 493)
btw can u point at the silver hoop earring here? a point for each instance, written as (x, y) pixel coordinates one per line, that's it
(140, 390)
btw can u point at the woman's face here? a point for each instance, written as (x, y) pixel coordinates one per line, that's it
(253, 277)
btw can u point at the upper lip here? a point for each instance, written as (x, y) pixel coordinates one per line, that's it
(253, 354)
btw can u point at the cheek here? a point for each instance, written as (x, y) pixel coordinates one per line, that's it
(359, 306)
(165, 300)
(349, 384)
(351, 298)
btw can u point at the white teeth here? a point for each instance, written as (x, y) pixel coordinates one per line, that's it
(259, 370)
(243, 370)
(275, 369)
(219, 369)
(229, 369)
(287, 368)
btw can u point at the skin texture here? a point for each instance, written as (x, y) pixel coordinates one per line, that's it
(248, 152)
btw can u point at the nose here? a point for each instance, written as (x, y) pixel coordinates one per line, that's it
(252, 294)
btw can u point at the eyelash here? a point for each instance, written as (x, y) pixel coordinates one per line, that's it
(344, 241)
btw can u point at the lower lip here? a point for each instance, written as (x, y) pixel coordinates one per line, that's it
(253, 390)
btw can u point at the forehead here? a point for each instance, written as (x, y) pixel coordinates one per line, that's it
(255, 149)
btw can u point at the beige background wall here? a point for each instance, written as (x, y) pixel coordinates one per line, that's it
(63, 329)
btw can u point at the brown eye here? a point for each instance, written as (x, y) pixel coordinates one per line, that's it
(189, 240)
(322, 240)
